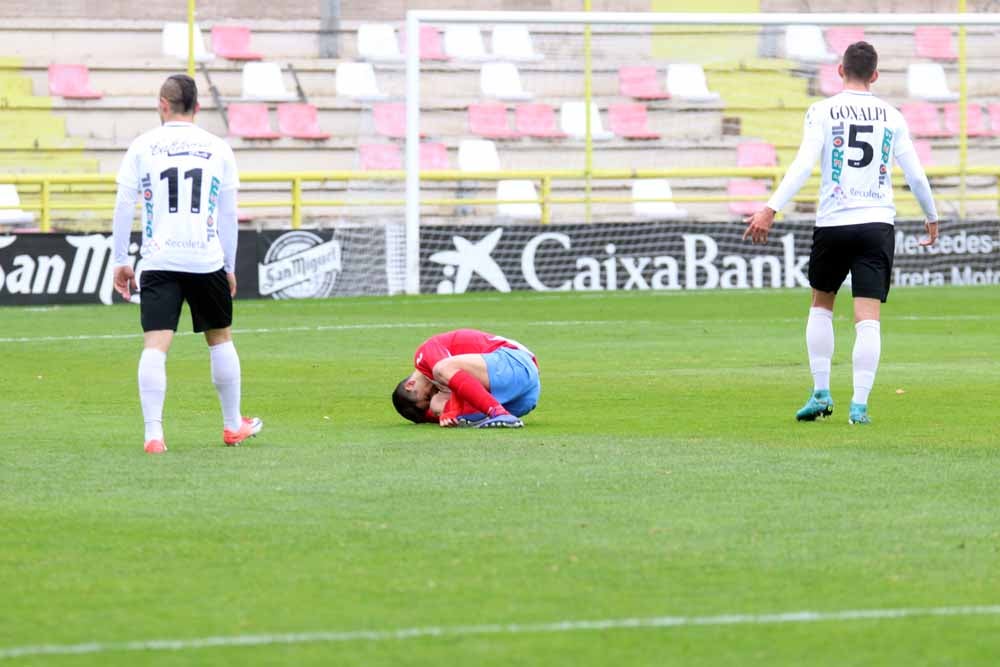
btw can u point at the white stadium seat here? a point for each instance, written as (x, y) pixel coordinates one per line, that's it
(518, 190)
(464, 42)
(573, 121)
(175, 42)
(513, 42)
(502, 81)
(926, 81)
(687, 82)
(806, 43)
(264, 82)
(357, 81)
(655, 188)
(478, 155)
(377, 42)
(13, 216)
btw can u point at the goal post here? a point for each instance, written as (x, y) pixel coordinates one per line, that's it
(651, 25)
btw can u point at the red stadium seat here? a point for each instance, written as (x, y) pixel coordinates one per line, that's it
(743, 188)
(935, 42)
(756, 154)
(250, 121)
(641, 83)
(840, 38)
(490, 120)
(380, 156)
(71, 81)
(431, 43)
(630, 121)
(975, 123)
(233, 42)
(994, 112)
(433, 155)
(830, 82)
(923, 119)
(300, 121)
(537, 120)
(924, 153)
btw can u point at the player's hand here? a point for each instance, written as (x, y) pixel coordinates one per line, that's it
(758, 225)
(447, 422)
(231, 277)
(932, 233)
(125, 281)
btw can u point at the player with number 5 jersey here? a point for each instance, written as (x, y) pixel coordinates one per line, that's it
(856, 138)
(186, 180)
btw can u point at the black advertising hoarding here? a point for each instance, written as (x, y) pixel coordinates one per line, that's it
(675, 256)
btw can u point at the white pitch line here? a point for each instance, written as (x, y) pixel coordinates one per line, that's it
(319, 328)
(494, 629)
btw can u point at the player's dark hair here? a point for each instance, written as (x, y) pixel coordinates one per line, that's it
(406, 406)
(181, 93)
(860, 61)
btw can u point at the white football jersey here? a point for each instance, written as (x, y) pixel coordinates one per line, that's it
(856, 137)
(179, 170)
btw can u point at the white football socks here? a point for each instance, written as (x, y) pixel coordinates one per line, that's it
(153, 390)
(867, 349)
(226, 378)
(819, 342)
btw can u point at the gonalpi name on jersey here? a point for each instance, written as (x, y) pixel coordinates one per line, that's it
(847, 112)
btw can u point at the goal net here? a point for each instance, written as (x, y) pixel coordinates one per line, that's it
(622, 150)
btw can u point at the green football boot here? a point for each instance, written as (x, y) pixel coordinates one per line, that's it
(859, 414)
(820, 404)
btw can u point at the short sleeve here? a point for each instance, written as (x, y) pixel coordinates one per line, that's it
(428, 354)
(812, 128)
(902, 144)
(128, 173)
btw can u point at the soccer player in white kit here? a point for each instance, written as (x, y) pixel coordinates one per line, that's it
(187, 180)
(857, 136)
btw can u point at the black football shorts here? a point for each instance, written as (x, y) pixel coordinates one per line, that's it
(163, 293)
(865, 250)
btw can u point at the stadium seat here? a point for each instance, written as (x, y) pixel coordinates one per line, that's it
(12, 216)
(233, 42)
(994, 112)
(71, 82)
(357, 81)
(744, 188)
(300, 121)
(380, 156)
(687, 82)
(924, 152)
(518, 190)
(431, 46)
(830, 82)
(926, 81)
(264, 81)
(390, 119)
(640, 82)
(573, 121)
(975, 123)
(478, 155)
(538, 121)
(756, 154)
(630, 121)
(502, 81)
(840, 38)
(513, 42)
(923, 120)
(174, 41)
(654, 188)
(806, 43)
(490, 121)
(433, 155)
(464, 42)
(250, 121)
(377, 42)
(934, 41)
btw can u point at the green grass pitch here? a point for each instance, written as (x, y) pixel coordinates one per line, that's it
(662, 474)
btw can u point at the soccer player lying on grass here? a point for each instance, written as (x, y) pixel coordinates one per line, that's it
(469, 378)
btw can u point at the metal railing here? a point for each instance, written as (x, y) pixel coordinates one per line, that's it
(93, 186)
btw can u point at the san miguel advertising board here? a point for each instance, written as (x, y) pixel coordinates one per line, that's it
(39, 269)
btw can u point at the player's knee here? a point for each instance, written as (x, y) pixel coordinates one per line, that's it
(445, 369)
